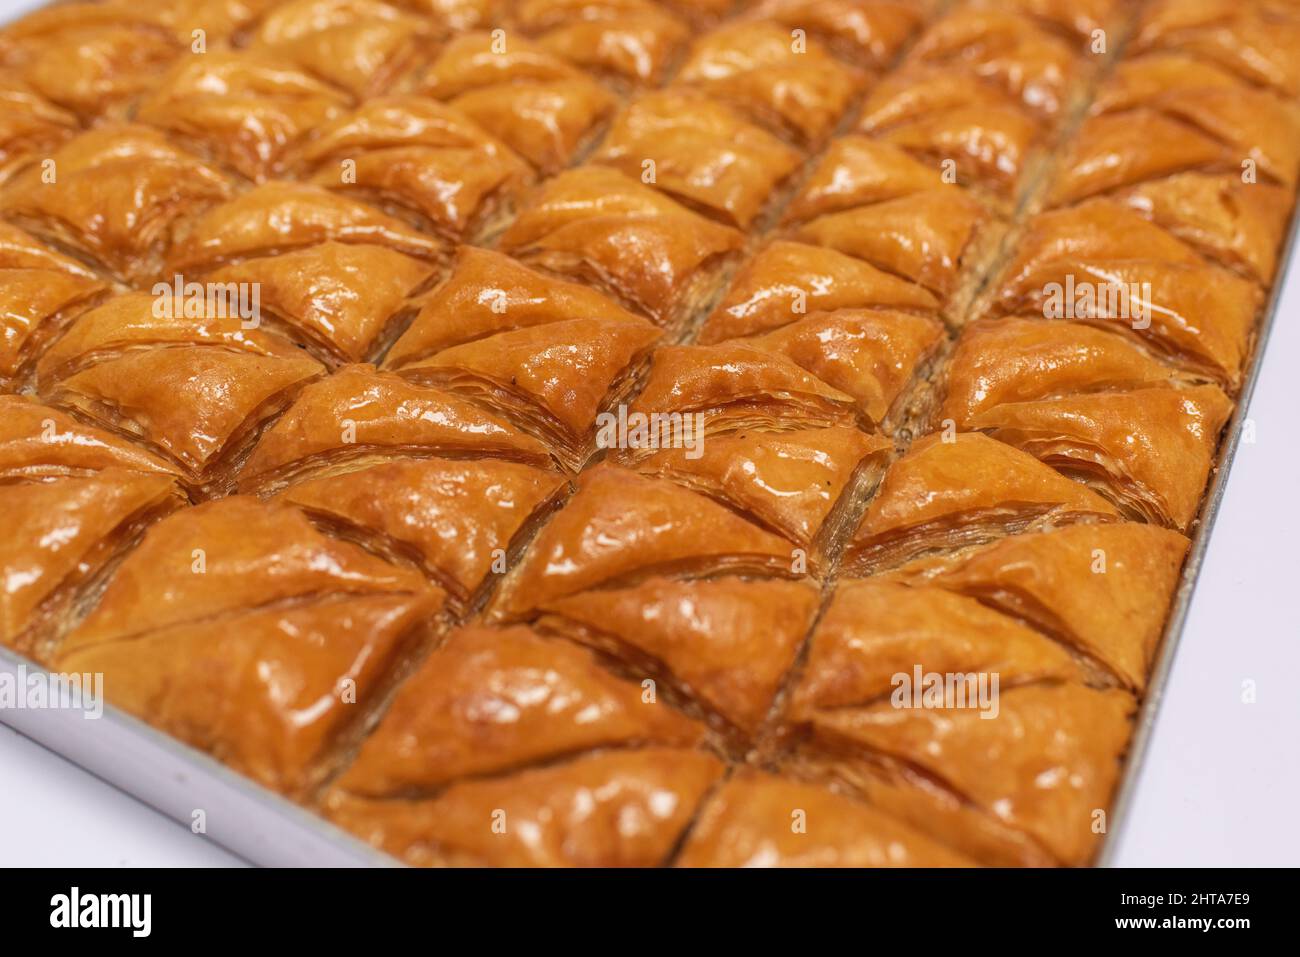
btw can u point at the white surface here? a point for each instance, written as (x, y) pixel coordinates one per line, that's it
(1220, 781)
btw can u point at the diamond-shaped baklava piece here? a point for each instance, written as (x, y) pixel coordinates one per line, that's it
(494, 700)
(701, 152)
(79, 497)
(116, 195)
(760, 820)
(546, 110)
(419, 159)
(243, 110)
(547, 354)
(598, 225)
(363, 46)
(194, 385)
(784, 79)
(239, 628)
(615, 808)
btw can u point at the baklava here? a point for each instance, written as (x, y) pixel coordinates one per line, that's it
(632, 433)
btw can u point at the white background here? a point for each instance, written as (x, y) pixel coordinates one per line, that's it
(1221, 782)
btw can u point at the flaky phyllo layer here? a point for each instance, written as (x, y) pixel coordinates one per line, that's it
(615, 432)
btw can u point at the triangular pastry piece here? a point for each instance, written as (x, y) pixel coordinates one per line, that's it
(337, 298)
(487, 293)
(761, 820)
(736, 386)
(359, 414)
(945, 494)
(419, 158)
(61, 534)
(456, 518)
(1101, 588)
(1149, 450)
(122, 196)
(727, 642)
(617, 808)
(262, 691)
(277, 217)
(243, 109)
(495, 700)
(621, 527)
(596, 224)
(872, 355)
(923, 237)
(225, 558)
(551, 379)
(1018, 360)
(785, 281)
(787, 481)
(702, 151)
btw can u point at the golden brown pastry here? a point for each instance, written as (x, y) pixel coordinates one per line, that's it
(945, 493)
(340, 301)
(31, 127)
(789, 481)
(699, 151)
(634, 432)
(546, 354)
(118, 196)
(363, 46)
(79, 496)
(727, 642)
(1102, 588)
(627, 41)
(792, 85)
(360, 416)
(599, 225)
(243, 110)
(785, 281)
(615, 808)
(1103, 263)
(421, 160)
(546, 110)
(757, 820)
(492, 700)
(621, 527)
(242, 630)
(193, 387)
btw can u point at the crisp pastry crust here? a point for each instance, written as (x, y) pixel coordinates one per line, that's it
(799, 91)
(785, 281)
(1112, 612)
(598, 225)
(246, 650)
(546, 110)
(489, 700)
(243, 110)
(1196, 314)
(194, 388)
(727, 643)
(759, 820)
(419, 160)
(117, 196)
(944, 494)
(621, 527)
(611, 808)
(634, 432)
(701, 152)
